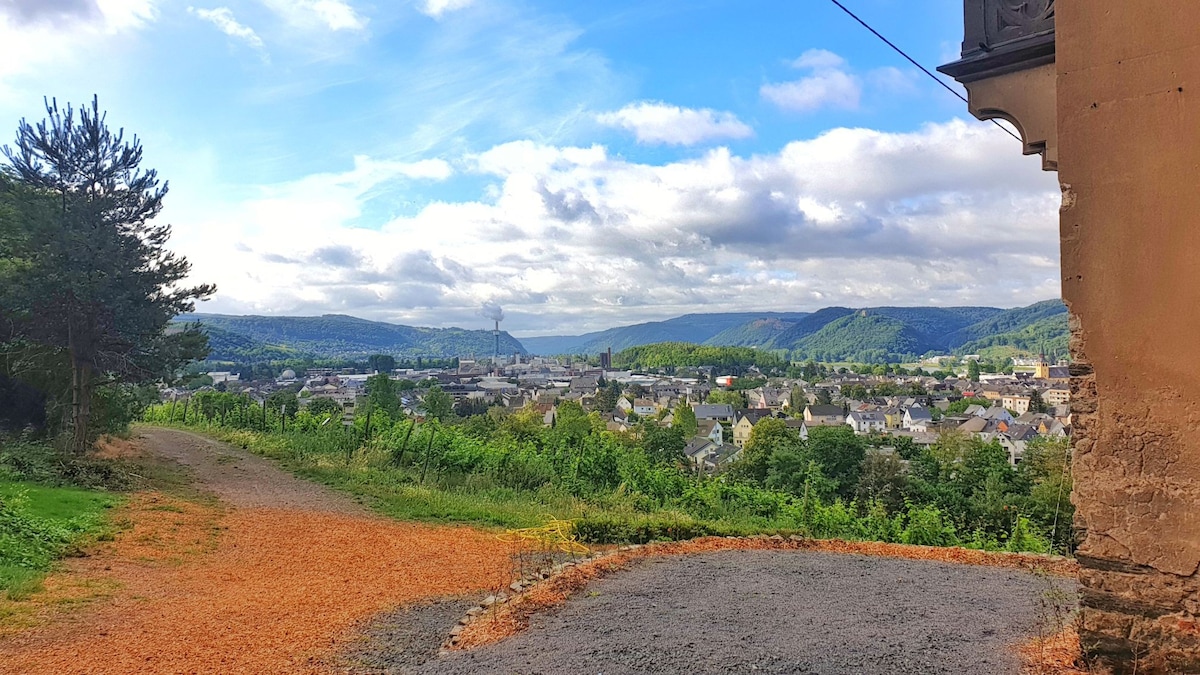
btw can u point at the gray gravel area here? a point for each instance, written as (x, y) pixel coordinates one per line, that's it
(401, 640)
(778, 612)
(240, 478)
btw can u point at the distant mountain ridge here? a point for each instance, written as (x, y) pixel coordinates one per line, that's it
(874, 334)
(870, 335)
(697, 328)
(338, 335)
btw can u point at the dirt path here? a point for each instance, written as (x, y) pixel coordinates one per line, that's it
(241, 479)
(272, 580)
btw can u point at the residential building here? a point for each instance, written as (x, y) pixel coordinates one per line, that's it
(824, 415)
(717, 412)
(1018, 403)
(1058, 395)
(864, 422)
(644, 407)
(917, 418)
(744, 424)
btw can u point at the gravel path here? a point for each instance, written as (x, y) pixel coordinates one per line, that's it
(241, 479)
(777, 612)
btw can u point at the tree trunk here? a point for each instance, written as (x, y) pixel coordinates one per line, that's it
(81, 405)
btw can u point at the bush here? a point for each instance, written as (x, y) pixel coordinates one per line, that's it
(927, 527)
(43, 463)
(610, 528)
(31, 540)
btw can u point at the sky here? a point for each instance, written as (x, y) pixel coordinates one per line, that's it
(579, 164)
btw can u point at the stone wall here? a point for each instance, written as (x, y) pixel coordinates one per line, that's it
(1129, 162)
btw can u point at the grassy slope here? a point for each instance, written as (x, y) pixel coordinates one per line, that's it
(39, 524)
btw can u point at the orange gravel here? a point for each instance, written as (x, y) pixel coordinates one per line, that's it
(512, 617)
(1057, 654)
(195, 588)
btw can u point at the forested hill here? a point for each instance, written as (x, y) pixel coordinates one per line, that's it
(243, 338)
(1010, 321)
(697, 328)
(869, 335)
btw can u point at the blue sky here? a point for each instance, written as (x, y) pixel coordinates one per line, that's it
(581, 164)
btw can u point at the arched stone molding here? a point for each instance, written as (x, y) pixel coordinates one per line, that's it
(1027, 100)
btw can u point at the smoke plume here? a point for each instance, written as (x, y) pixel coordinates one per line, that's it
(491, 310)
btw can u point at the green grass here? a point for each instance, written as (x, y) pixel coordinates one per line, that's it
(39, 525)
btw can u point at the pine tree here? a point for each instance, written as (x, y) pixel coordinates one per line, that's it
(97, 283)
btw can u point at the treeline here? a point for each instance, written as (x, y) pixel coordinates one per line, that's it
(87, 289)
(485, 463)
(667, 355)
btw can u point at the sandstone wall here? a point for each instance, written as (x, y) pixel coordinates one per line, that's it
(1129, 161)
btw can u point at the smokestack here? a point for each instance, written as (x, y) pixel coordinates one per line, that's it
(494, 312)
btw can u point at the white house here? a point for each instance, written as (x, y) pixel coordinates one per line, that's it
(866, 422)
(644, 407)
(917, 418)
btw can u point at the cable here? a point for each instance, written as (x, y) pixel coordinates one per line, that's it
(923, 69)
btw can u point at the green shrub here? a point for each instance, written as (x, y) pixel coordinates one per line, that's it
(613, 528)
(38, 525)
(927, 527)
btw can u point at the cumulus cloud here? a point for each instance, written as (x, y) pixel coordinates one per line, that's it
(659, 123)
(828, 85)
(333, 15)
(37, 34)
(222, 18)
(574, 239)
(437, 8)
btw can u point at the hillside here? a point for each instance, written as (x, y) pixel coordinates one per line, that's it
(754, 333)
(224, 345)
(336, 335)
(864, 337)
(1008, 321)
(696, 328)
(805, 327)
(1050, 334)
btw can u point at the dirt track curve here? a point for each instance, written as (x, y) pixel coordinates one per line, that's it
(272, 580)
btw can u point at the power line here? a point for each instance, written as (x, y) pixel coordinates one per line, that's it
(913, 61)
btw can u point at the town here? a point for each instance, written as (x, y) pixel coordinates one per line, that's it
(1011, 408)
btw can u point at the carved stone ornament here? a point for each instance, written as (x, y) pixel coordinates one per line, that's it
(1014, 19)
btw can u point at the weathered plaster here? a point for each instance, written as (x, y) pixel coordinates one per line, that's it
(1129, 159)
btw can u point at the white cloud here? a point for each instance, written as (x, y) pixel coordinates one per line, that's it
(819, 59)
(222, 18)
(661, 123)
(40, 34)
(829, 85)
(573, 239)
(334, 15)
(437, 8)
